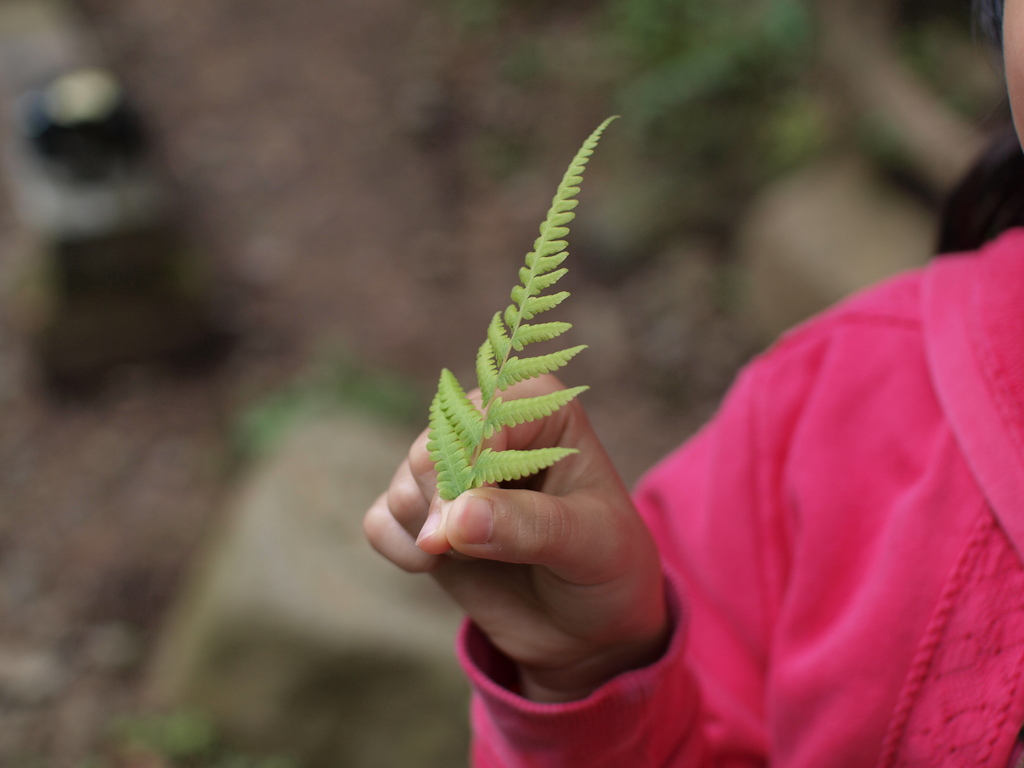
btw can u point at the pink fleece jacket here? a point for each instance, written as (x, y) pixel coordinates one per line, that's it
(842, 547)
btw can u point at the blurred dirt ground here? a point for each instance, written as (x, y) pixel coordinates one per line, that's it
(334, 161)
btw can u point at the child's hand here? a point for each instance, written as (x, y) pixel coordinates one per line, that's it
(562, 575)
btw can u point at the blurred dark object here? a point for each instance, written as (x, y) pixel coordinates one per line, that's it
(114, 280)
(989, 200)
(84, 126)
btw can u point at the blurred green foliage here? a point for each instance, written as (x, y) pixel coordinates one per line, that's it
(180, 735)
(718, 99)
(713, 94)
(687, 56)
(339, 381)
(941, 52)
(177, 739)
(727, 89)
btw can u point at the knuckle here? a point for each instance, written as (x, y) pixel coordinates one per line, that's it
(405, 499)
(418, 458)
(392, 544)
(374, 522)
(552, 530)
(416, 562)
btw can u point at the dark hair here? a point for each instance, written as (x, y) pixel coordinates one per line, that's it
(990, 198)
(989, 14)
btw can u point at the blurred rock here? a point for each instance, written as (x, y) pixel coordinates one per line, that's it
(112, 647)
(296, 637)
(30, 676)
(821, 234)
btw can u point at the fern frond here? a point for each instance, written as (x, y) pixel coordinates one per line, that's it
(541, 264)
(530, 333)
(451, 454)
(457, 428)
(553, 228)
(518, 369)
(486, 371)
(534, 305)
(512, 412)
(502, 466)
(498, 338)
(541, 283)
(459, 410)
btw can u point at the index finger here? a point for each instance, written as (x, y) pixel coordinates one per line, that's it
(421, 467)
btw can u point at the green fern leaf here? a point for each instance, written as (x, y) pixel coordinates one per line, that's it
(541, 283)
(541, 265)
(498, 338)
(534, 305)
(486, 371)
(512, 412)
(451, 454)
(459, 410)
(530, 333)
(458, 428)
(503, 466)
(518, 369)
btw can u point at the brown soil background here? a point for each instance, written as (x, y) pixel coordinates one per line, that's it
(334, 164)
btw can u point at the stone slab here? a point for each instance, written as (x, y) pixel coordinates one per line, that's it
(822, 234)
(294, 635)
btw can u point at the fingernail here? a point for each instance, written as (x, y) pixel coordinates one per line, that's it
(430, 527)
(476, 520)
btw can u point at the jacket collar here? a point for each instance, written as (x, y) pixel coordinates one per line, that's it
(973, 311)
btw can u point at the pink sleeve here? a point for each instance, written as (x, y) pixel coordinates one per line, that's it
(713, 510)
(609, 728)
(702, 702)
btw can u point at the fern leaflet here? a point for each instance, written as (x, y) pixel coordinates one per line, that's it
(458, 427)
(501, 466)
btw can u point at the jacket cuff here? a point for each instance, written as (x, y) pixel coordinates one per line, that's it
(597, 730)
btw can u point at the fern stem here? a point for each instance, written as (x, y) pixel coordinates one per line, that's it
(486, 407)
(550, 232)
(458, 429)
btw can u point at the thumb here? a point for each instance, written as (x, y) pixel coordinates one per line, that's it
(567, 534)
